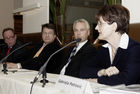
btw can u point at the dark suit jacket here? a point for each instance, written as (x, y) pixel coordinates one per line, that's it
(37, 62)
(79, 60)
(18, 56)
(126, 60)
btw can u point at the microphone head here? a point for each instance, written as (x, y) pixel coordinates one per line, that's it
(29, 43)
(3, 44)
(78, 40)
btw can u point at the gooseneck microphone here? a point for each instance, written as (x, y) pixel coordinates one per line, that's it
(45, 64)
(2, 45)
(1, 61)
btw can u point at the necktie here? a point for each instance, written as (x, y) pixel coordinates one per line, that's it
(39, 51)
(71, 55)
(8, 51)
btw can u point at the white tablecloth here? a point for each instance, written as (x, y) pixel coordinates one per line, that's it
(19, 83)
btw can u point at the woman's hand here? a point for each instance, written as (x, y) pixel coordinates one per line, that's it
(108, 72)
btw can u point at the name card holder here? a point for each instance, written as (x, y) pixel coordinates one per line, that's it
(73, 85)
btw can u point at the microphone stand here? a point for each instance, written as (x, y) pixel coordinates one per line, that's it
(43, 68)
(44, 80)
(5, 68)
(3, 61)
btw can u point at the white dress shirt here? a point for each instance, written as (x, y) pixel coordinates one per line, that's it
(123, 44)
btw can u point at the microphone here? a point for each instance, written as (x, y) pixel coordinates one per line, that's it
(2, 45)
(78, 40)
(45, 64)
(15, 51)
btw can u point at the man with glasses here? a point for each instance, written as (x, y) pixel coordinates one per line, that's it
(12, 43)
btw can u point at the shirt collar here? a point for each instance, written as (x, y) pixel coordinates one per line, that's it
(123, 42)
(80, 45)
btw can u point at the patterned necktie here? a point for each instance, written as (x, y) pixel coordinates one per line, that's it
(69, 60)
(72, 54)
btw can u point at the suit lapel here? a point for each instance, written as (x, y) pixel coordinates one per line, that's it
(107, 56)
(82, 48)
(120, 53)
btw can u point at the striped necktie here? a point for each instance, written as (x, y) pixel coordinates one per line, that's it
(72, 54)
(69, 60)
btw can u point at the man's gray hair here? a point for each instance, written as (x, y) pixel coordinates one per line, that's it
(81, 20)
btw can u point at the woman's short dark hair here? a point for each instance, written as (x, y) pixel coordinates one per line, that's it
(7, 29)
(49, 26)
(115, 13)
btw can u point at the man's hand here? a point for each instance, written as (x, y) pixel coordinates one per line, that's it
(11, 65)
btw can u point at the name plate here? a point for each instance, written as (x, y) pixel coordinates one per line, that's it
(73, 85)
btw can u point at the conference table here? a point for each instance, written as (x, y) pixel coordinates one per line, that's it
(18, 81)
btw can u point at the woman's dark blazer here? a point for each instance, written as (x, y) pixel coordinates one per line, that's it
(126, 60)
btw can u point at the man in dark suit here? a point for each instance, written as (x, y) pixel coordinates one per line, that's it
(12, 43)
(117, 61)
(78, 56)
(43, 50)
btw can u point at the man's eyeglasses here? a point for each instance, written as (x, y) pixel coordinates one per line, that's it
(10, 37)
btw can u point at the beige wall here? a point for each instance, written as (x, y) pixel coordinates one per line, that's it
(6, 16)
(133, 6)
(33, 19)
